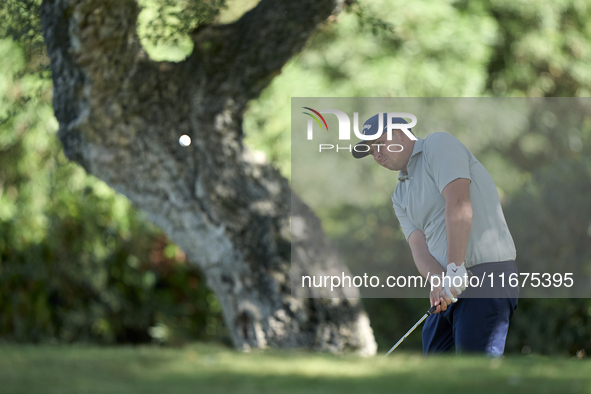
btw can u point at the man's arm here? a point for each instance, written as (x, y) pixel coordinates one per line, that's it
(428, 266)
(458, 219)
(424, 260)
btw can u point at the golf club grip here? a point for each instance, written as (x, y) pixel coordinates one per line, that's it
(431, 310)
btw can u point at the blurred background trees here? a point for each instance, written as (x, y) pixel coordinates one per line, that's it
(77, 263)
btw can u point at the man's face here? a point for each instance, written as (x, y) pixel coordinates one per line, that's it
(388, 154)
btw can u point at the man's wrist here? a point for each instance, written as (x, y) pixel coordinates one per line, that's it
(435, 282)
(456, 264)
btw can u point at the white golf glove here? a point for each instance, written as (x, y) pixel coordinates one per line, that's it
(459, 284)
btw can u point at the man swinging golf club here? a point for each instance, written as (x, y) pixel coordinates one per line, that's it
(450, 213)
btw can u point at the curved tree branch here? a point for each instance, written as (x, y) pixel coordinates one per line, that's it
(240, 59)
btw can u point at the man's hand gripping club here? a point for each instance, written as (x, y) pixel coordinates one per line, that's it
(456, 280)
(445, 290)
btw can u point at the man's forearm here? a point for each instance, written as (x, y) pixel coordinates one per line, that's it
(458, 222)
(424, 260)
(428, 266)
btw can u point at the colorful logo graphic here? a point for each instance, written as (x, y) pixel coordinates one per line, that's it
(315, 118)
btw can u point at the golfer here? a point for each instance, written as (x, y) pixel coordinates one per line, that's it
(450, 213)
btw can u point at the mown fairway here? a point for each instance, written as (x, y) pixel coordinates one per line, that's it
(204, 368)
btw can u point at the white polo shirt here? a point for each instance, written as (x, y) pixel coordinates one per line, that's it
(419, 205)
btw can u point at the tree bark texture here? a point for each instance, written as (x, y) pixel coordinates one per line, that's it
(120, 117)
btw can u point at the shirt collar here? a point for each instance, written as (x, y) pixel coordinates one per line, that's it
(418, 148)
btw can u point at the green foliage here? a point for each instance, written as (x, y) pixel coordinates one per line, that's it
(77, 262)
(543, 47)
(433, 50)
(163, 25)
(430, 48)
(550, 220)
(20, 21)
(369, 21)
(169, 19)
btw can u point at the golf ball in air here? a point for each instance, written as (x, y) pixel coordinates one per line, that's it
(185, 140)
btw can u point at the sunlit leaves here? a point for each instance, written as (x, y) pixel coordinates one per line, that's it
(170, 20)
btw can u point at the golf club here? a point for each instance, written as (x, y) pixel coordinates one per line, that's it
(429, 312)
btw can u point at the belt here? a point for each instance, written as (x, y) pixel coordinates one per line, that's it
(492, 278)
(481, 268)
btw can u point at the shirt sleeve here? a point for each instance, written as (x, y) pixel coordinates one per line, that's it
(406, 224)
(448, 159)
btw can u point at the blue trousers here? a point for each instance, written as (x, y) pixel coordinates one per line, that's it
(474, 325)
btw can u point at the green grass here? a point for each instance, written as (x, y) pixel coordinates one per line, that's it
(205, 368)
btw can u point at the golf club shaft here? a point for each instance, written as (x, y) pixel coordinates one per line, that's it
(429, 312)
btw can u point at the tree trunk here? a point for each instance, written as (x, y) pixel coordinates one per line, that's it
(121, 115)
